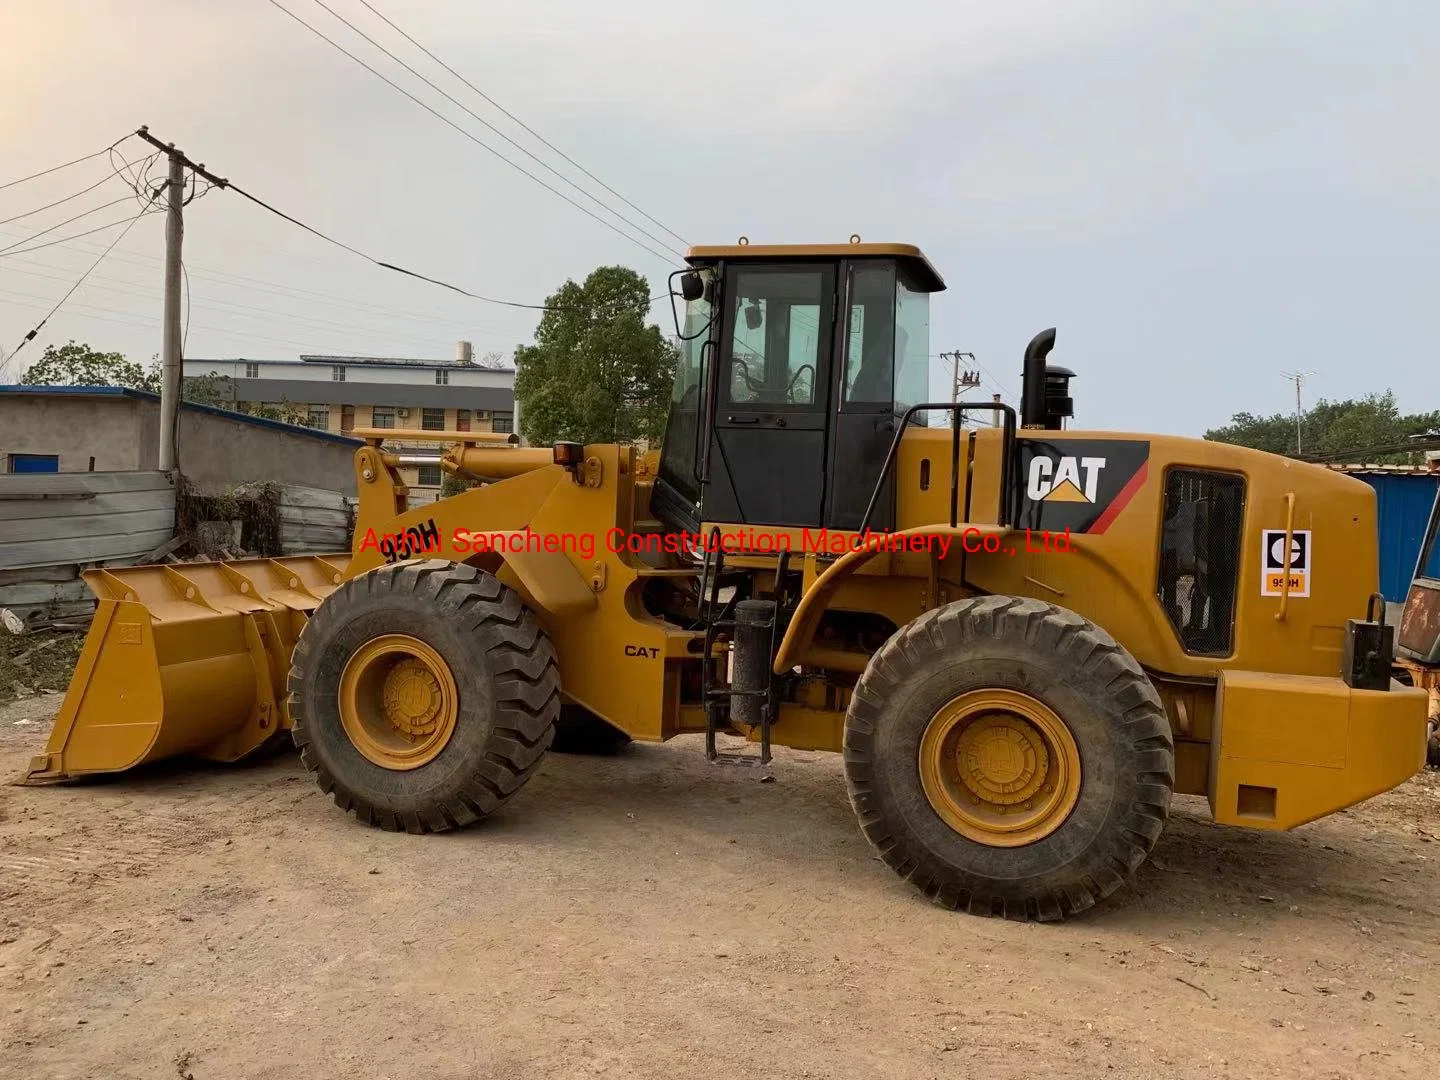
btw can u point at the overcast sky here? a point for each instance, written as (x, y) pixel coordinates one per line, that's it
(1199, 194)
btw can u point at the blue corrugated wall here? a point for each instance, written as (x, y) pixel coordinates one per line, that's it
(1403, 504)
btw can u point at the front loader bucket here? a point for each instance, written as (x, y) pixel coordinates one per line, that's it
(185, 659)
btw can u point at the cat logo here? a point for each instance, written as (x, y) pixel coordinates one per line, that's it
(1066, 479)
(1273, 563)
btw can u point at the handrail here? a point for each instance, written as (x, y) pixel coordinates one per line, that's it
(703, 398)
(1285, 566)
(1005, 514)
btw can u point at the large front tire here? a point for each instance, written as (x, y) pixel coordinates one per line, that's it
(423, 695)
(1008, 757)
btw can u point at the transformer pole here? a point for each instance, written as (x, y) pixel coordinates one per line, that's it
(959, 378)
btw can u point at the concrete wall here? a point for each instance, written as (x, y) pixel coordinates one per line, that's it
(121, 433)
(107, 429)
(216, 453)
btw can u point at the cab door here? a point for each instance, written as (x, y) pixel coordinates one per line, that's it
(768, 444)
(864, 418)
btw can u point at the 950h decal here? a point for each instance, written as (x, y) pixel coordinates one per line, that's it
(1078, 484)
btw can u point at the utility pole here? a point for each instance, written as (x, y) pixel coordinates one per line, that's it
(959, 378)
(1298, 378)
(170, 357)
(171, 360)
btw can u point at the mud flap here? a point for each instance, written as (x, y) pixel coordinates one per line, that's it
(184, 660)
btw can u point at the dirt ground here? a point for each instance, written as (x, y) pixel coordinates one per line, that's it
(654, 916)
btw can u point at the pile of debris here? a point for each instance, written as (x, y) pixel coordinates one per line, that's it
(39, 662)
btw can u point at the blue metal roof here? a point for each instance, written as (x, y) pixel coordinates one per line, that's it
(146, 395)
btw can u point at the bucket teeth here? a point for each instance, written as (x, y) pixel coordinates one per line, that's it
(184, 659)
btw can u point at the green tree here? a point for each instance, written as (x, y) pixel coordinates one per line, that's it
(286, 411)
(209, 389)
(74, 364)
(1371, 430)
(596, 372)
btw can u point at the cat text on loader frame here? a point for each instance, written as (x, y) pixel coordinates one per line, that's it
(1023, 637)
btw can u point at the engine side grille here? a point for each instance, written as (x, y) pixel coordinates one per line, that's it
(1200, 557)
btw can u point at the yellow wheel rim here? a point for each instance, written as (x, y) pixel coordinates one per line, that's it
(1000, 767)
(398, 702)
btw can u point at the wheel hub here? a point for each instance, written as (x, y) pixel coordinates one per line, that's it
(1000, 767)
(412, 698)
(398, 701)
(1001, 757)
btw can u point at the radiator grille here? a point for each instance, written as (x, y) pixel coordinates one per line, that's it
(1200, 557)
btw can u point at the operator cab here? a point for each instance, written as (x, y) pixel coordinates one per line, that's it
(798, 362)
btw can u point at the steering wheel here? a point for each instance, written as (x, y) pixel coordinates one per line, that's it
(741, 368)
(790, 389)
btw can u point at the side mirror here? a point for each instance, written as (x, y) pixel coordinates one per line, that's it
(753, 315)
(692, 286)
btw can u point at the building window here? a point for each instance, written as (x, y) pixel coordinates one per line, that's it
(319, 417)
(347, 417)
(252, 370)
(462, 419)
(430, 476)
(382, 416)
(432, 420)
(337, 373)
(442, 377)
(503, 421)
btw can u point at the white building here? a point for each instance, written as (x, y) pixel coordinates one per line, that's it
(339, 393)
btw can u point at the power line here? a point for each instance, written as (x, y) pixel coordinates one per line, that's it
(57, 202)
(129, 318)
(544, 141)
(275, 288)
(239, 310)
(473, 138)
(491, 127)
(71, 291)
(229, 185)
(10, 251)
(185, 333)
(67, 221)
(65, 165)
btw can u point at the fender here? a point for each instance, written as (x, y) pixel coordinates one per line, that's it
(815, 602)
(548, 579)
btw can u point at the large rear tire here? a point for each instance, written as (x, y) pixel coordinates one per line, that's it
(1008, 757)
(423, 695)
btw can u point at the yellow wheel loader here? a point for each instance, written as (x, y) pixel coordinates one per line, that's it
(1022, 637)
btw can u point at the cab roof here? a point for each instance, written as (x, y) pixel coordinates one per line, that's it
(927, 278)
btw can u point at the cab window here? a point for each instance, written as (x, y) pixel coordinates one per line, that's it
(870, 348)
(776, 337)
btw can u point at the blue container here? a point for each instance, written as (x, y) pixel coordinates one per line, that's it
(1403, 502)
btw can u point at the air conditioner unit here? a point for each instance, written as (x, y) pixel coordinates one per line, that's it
(403, 414)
